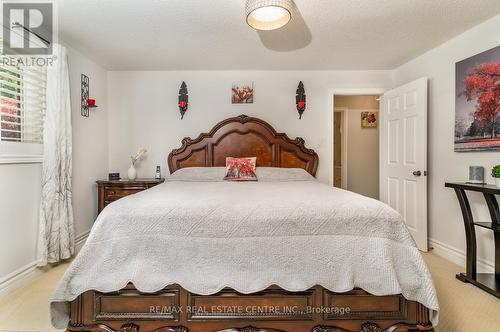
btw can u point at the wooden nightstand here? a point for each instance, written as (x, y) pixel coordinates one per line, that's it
(110, 191)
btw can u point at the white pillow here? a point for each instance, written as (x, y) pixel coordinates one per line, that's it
(276, 174)
(216, 174)
(198, 174)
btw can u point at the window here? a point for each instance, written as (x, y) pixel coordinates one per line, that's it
(22, 108)
(22, 101)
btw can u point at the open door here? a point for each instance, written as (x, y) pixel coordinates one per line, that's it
(403, 155)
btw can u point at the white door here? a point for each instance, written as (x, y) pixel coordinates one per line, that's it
(403, 155)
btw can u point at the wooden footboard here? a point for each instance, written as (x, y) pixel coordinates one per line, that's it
(273, 310)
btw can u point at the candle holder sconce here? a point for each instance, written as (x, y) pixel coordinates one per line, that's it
(86, 102)
(300, 99)
(183, 99)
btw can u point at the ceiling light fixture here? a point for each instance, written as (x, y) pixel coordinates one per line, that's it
(268, 14)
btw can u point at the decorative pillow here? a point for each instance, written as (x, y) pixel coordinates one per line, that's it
(240, 169)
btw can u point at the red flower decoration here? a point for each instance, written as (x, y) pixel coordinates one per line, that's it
(240, 169)
(182, 103)
(482, 84)
(301, 104)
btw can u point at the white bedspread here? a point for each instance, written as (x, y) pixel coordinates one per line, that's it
(206, 236)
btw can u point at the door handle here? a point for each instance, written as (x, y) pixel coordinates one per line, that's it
(417, 173)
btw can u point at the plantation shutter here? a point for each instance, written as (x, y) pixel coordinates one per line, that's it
(22, 103)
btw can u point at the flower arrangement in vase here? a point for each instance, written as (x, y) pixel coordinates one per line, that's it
(495, 173)
(132, 172)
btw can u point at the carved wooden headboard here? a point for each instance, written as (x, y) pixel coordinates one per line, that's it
(243, 136)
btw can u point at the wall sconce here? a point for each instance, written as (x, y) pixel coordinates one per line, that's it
(85, 101)
(300, 99)
(183, 99)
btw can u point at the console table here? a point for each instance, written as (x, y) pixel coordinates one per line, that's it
(489, 282)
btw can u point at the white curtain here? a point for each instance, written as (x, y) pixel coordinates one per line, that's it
(56, 240)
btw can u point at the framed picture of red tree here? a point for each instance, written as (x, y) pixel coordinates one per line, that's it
(477, 102)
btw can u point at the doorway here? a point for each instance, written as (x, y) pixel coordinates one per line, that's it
(356, 144)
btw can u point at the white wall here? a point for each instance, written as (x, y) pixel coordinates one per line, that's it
(90, 139)
(143, 109)
(445, 220)
(20, 183)
(362, 155)
(20, 197)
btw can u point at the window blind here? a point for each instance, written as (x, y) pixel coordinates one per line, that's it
(22, 103)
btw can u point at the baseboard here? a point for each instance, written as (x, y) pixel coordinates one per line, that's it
(457, 256)
(80, 241)
(27, 273)
(19, 278)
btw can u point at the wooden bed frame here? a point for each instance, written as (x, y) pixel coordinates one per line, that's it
(174, 309)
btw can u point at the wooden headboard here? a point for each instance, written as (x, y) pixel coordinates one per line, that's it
(243, 136)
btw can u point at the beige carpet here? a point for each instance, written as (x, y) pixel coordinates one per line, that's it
(464, 308)
(27, 309)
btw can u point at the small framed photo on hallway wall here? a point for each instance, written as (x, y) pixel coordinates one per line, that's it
(369, 119)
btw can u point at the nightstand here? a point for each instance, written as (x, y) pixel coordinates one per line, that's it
(112, 190)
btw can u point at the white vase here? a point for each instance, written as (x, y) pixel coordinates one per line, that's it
(497, 182)
(132, 173)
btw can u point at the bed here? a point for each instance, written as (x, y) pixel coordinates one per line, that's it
(285, 253)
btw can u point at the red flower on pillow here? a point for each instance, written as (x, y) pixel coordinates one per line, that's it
(240, 169)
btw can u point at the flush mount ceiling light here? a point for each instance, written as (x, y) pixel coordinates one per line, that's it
(268, 14)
